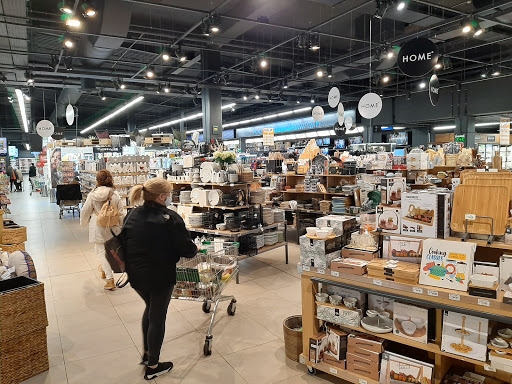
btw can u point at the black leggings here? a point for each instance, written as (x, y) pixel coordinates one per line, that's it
(13, 182)
(153, 321)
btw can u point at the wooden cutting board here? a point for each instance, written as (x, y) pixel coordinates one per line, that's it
(490, 180)
(481, 200)
(473, 172)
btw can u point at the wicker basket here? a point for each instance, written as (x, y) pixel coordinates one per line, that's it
(14, 235)
(292, 338)
(12, 247)
(451, 160)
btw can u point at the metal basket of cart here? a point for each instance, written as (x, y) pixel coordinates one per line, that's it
(204, 277)
(69, 198)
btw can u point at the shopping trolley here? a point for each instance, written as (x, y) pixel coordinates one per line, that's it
(204, 277)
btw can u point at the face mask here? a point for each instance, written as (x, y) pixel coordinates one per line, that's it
(168, 201)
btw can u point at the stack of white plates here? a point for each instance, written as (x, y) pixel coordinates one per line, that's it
(195, 220)
(268, 216)
(270, 238)
(257, 197)
(185, 197)
(215, 197)
(203, 198)
(278, 215)
(260, 241)
(207, 170)
(194, 195)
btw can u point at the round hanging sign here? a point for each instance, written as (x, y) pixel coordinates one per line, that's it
(45, 128)
(341, 113)
(370, 105)
(334, 97)
(348, 122)
(433, 90)
(417, 57)
(70, 114)
(339, 130)
(318, 113)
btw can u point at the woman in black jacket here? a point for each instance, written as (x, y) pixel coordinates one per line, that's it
(156, 238)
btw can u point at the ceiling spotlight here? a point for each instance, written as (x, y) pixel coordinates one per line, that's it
(496, 70)
(298, 100)
(263, 62)
(67, 42)
(320, 72)
(159, 88)
(214, 22)
(30, 77)
(485, 72)
(390, 53)
(386, 78)
(294, 74)
(166, 55)
(439, 63)
(329, 71)
(382, 7)
(312, 99)
(73, 22)
(88, 10)
(314, 41)
(102, 96)
(422, 84)
(257, 96)
(167, 87)
(180, 55)
(121, 83)
(150, 72)
(10, 98)
(402, 4)
(469, 25)
(478, 29)
(269, 97)
(284, 83)
(66, 7)
(205, 27)
(68, 62)
(246, 95)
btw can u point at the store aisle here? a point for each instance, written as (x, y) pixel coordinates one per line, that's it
(94, 336)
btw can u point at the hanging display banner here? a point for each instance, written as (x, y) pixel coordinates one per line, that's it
(433, 90)
(334, 97)
(504, 131)
(268, 137)
(318, 113)
(417, 57)
(70, 114)
(45, 128)
(370, 105)
(339, 130)
(348, 122)
(341, 113)
(58, 133)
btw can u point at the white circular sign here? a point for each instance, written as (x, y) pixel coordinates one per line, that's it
(334, 97)
(370, 105)
(341, 113)
(348, 122)
(318, 113)
(45, 128)
(70, 114)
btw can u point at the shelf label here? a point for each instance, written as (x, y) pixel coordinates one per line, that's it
(363, 381)
(231, 185)
(333, 370)
(306, 268)
(216, 233)
(417, 290)
(484, 302)
(377, 282)
(470, 216)
(320, 271)
(488, 368)
(433, 293)
(454, 297)
(335, 273)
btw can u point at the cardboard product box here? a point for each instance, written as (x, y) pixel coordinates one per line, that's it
(339, 315)
(465, 335)
(507, 297)
(381, 304)
(336, 344)
(312, 259)
(426, 214)
(397, 369)
(368, 342)
(352, 266)
(410, 322)
(345, 292)
(362, 361)
(392, 189)
(340, 224)
(489, 293)
(389, 219)
(402, 248)
(501, 362)
(351, 253)
(505, 272)
(371, 372)
(366, 354)
(317, 347)
(447, 264)
(321, 247)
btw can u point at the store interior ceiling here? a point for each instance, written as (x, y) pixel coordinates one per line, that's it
(109, 55)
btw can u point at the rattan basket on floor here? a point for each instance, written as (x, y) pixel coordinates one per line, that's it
(23, 322)
(13, 235)
(292, 337)
(12, 247)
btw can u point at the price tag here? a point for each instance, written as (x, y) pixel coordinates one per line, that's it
(320, 271)
(223, 208)
(363, 381)
(454, 297)
(488, 368)
(377, 282)
(335, 273)
(333, 370)
(231, 185)
(306, 268)
(470, 216)
(433, 293)
(417, 290)
(484, 302)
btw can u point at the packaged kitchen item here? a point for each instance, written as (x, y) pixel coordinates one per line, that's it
(341, 224)
(505, 272)
(323, 261)
(336, 352)
(380, 304)
(447, 264)
(465, 335)
(426, 214)
(317, 347)
(362, 366)
(402, 248)
(392, 189)
(393, 270)
(339, 315)
(397, 369)
(352, 266)
(367, 342)
(389, 219)
(352, 253)
(319, 253)
(345, 292)
(410, 322)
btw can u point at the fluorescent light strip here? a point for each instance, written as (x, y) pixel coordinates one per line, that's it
(195, 130)
(398, 128)
(268, 117)
(111, 115)
(27, 145)
(443, 127)
(487, 124)
(21, 103)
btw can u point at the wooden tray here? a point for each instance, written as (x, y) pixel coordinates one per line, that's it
(464, 174)
(490, 180)
(480, 200)
(320, 238)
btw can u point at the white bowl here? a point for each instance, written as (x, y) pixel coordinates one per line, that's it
(322, 297)
(311, 231)
(505, 332)
(221, 227)
(322, 233)
(329, 229)
(486, 281)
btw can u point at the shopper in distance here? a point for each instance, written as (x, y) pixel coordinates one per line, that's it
(155, 238)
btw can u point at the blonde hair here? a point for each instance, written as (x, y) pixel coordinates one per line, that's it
(149, 191)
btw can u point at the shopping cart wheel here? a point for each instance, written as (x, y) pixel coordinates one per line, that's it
(207, 306)
(208, 346)
(312, 371)
(232, 308)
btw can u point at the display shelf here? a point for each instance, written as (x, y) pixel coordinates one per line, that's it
(118, 174)
(214, 206)
(351, 377)
(320, 193)
(233, 234)
(241, 184)
(267, 248)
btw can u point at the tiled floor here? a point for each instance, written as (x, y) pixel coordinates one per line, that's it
(94, 336)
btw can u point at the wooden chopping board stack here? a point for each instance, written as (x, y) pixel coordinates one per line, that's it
(399, 271)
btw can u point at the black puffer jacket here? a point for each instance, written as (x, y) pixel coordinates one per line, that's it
(156, 238)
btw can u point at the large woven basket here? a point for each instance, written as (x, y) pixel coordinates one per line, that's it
(14, 235)
(12, 247)
(293, 338)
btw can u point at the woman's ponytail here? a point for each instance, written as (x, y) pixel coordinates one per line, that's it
(136, 195)
(149, 191)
